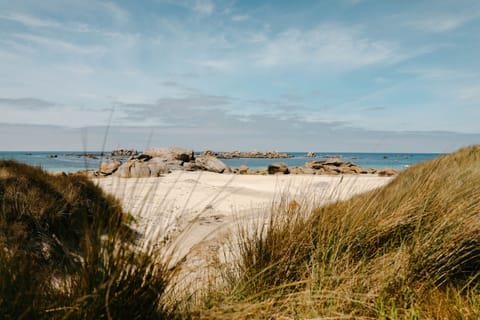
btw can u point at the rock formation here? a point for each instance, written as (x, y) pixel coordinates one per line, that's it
(278, 167)
(171, 153)
(211, 163)
(124, 152)
(248, 154)
(107, 169)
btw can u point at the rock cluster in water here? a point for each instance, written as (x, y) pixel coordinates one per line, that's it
(248, 154)
(124, 152)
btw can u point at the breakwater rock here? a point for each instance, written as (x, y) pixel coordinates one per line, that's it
(124, 152)
(248, 154)
(318, 167)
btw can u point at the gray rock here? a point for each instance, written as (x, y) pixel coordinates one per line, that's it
(107, 169)
(157, 167)
(210, 163)
(124, 170)
(171, 153)
(243, 169)
(139, 169)
(124, 152)
(315, 164)
(190, 166)
(278, 167)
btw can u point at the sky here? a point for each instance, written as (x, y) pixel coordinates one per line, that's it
(344, 75)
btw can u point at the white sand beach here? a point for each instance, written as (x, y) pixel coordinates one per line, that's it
(193, 208)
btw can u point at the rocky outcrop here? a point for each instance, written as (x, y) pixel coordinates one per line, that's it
(137, 168)
(278, 167)
(109, 168)
(157, 161)
(311, 154)
(335, 166)
(124, 152)
(243, 169)
(249, 154)
(171, 153)
(212, 164)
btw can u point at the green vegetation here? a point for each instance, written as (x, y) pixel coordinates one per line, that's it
(410, 250)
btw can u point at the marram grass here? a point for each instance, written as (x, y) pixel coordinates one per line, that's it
(67, 252)
(410, 250)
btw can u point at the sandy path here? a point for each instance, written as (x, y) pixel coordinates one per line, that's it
(201, 204)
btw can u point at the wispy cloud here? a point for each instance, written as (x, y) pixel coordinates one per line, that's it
(240, 17)
(330, 45)
(26, 103)
(56, 44)
(31, 21)
(119, 14)
(441, 22)
(204, 6)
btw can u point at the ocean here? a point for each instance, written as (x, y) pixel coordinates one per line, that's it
(72, 161)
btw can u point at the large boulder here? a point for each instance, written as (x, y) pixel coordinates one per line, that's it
(139, 169)
(157, 167)
(171, 153)
(278, 167)
(210, 163)
(124, 170)
(315, 164)
(107, 169)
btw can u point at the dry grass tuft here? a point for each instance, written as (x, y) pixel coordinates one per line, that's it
(410, 250)
(67, 252)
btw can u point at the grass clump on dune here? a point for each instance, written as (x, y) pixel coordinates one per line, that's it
(67, 252)
(409, 250)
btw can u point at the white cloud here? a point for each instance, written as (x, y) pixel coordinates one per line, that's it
(217, 64)
(437, 23)
(239, 18)
(118, 13)
(56, 44)
(31, 21)
(470, 93)
(26, 103)
(204, 7)
(439, 73)
(329, 45)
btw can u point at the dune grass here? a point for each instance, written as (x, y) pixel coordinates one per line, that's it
(410, 250)
(67, 252)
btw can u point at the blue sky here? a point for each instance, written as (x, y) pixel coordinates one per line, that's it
(346, 75)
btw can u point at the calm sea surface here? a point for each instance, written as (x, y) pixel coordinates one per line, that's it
(73, 161)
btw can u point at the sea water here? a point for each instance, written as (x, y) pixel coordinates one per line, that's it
(72, 161)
